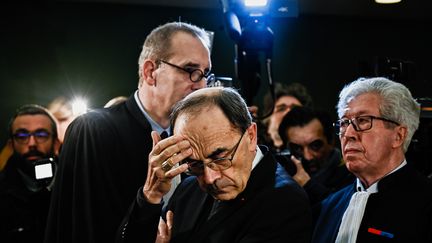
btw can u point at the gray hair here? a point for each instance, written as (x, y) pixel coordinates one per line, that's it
(227, 99)
(158, 43)
(397, 103)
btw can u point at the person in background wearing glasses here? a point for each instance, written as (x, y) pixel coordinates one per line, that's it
(105, 155)
(24, 197)
(315, 163)
(237, 192)
(389, 201)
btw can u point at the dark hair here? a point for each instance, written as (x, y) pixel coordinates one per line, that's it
(295, 90)
(33, 109)
(301, 116)
(227, 99)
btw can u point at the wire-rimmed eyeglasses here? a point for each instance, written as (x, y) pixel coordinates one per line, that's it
(360, 123)
(195, 74)
(196, 167)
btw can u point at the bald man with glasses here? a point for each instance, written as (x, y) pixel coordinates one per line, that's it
(236, 191)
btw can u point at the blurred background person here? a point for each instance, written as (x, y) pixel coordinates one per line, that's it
(286, 97)
(26, 180)
(314, 161)
(116, 100)
(62, 110)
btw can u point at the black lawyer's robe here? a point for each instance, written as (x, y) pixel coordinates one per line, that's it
(402, 207)
(103, 161)
(272, 208)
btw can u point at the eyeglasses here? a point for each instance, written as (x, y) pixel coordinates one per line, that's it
(196, 167)
(195, 74)
(360, 123)
(23, 137)
(297, 149)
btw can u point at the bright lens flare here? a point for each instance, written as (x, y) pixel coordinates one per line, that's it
(79, 106)
(255, 3)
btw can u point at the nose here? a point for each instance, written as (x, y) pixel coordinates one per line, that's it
(200, 84)
(210, 176)
(32, 141)
(349, 131)
(307, 153)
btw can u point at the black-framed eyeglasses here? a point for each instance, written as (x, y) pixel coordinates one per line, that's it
(297, 149)
(195, 74)
(196, 167)
(360, 123)
(23, 136)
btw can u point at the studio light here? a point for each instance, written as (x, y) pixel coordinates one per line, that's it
(387, 1)
(255, 3)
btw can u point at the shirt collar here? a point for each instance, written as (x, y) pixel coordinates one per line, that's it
(374, 187)
(258, 156)
(155, 127)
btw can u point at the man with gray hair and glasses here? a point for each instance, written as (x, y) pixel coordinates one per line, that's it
(390, 200)
(236, 191)
(104, 157)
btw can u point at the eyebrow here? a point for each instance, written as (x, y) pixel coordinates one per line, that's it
(196, 65)
(216, 152)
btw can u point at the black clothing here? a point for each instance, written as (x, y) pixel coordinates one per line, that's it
(402, 207)
(23, 212)
(327, 178)
(103, 161)
(272, 208)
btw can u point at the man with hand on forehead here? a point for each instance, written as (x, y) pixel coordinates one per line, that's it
(237, 192)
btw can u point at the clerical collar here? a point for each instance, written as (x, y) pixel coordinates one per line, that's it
(258, 156)
(155, 127)
(374, 187)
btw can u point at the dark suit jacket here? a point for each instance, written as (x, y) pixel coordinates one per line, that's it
(102, 163)
(272, 208)
(23, 212)
(402, 207)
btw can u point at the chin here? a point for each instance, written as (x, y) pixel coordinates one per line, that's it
(225, 196)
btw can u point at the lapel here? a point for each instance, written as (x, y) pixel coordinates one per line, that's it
(136, 112)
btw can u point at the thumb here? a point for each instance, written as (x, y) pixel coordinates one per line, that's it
(170, 218)
(297, 163)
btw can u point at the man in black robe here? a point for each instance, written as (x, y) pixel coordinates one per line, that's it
(389, 201)
(104, 156)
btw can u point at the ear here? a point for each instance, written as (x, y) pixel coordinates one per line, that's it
(251, 132)
(400, 136)
(148, 72)
(57, 145)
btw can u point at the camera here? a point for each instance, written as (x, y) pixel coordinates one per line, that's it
(44, 169)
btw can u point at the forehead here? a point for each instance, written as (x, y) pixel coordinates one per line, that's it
(31, 122)
(186, 45)
(287, 100)
(306, 134)
(206, 126)
(364, 104)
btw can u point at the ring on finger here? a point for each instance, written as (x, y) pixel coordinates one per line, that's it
(167, 165)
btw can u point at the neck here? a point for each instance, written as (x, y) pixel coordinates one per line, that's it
(155, 108)
(369, 179)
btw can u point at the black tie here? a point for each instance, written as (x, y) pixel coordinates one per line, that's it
(164, 135)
